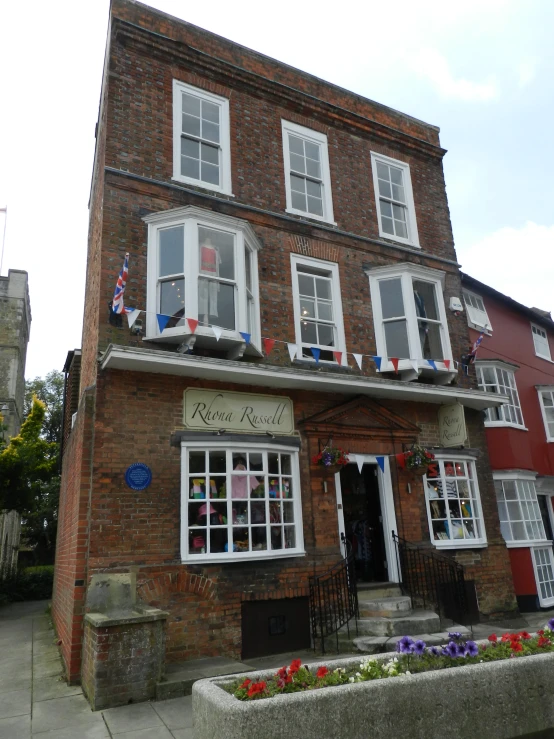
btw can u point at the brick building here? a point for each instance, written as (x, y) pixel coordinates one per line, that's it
(260, 203)
(515, 358)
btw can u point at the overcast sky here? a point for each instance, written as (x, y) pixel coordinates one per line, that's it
(482, 70)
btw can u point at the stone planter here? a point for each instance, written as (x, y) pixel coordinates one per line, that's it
(497, 700)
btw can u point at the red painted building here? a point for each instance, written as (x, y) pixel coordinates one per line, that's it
(516, 358)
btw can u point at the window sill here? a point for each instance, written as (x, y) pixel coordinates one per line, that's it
(528, 544)
(203, 185)
(463, 544)
(405, 242)
(242, 557)
(476, 327)
(230, 341)
(408, 373)
(502, 424)
(546, 359)
(309, 216)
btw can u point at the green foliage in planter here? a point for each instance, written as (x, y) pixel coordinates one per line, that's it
(33, 583)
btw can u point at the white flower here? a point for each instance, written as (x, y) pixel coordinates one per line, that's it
(407, 672)
(350, 679)
(358, 674)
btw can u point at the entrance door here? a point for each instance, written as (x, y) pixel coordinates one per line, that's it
(363, 521)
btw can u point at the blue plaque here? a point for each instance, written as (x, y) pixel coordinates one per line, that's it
(138, 476)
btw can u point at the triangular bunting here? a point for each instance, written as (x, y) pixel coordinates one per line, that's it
(394, 361)
(401, 460)
(433, 364)
(268, 345)
(132, 316)
(338, 357)
(316, 352)
(415, 365)
(377, 361)
(217, 332)
(446, 363)
(360, 459)
(245, 336)
(293, 348)
(193, 323)
(381, 462)
(162, 321)
(358, 358)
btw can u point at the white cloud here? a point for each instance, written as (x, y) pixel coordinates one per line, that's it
(431, 64)
(526, 72)
(518, 262)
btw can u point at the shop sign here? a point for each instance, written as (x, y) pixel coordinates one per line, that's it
(452, 425)
(212, 410)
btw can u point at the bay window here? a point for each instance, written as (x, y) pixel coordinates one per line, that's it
(239, 501)
(218, 287)
(498, 377)
(410, 318)
(454, 503)
(518, 507)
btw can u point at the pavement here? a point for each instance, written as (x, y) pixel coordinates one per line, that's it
(36, 701)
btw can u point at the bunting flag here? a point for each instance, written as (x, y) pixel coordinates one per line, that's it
(401, 460)
(218, 331)
(446, 363)
(245, 336)
(162, 321)
(316, 352)
(338, 357)
(415, 365)
(360, 459)
(132, 316)
(377, 361)
(381, 462)
(193, 323)
(293, 348)
(433, 365)
(394, 361)
(117, 302)
(268, 346)
(358, 358)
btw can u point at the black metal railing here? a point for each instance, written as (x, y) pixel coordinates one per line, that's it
(334, 600)
(433, 581)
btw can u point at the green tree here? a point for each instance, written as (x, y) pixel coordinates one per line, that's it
(50, 390)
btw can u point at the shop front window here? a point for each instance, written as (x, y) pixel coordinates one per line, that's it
(240, 503)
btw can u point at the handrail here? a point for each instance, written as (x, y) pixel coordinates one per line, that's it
(334, 600)
(436, 580)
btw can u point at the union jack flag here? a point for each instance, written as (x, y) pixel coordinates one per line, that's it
(117, 302)
(477, 343)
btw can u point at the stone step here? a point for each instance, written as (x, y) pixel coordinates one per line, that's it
(416, 622)
(378, 590)
(382, 644)
(397, 607)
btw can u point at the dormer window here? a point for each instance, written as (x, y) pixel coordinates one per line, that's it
(202, 266)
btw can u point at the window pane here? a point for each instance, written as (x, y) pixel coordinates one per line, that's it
(398, 193)
(297, 163)
(307, 308)
(216, 303)
(191, 125)
(396, 338)
(306, 284)
(171, 251)
(190, 168)
(396, 175)
(326, 335)
(210, 173)
(313, 188)
(217, 253)
(392, 303)
(312, 150)
(385, 189)
(172, 298)
(210, 111)
(325, 310)
(308, 332)
(210, 131)
(313, 169)
(382, 171)
(191, 104)
(430, 339)
(297, 184)
(298, 201)
(425, 299)
(296, 145)
(315, 206)
(190, 148)
(210, 154)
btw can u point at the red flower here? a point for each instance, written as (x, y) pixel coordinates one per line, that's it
(288, 679)
(245, 684)
(282, 673)
(493, 638)
(295, 666)
(543, 641)
(321, 672)
(256, 688)
(506, 637)
(540, 632)
(516, 646)
(524, 635)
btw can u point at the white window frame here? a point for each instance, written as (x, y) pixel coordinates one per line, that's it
(232, 447)
(330, 269)
(548, 601)
(191, 218)
(540, 334)
(546, 389)
(407, 273)
(519, 476)
(466, 543)
(477, 317)
(411, 223)
(510, 369)
(320, 139)
(224, 142)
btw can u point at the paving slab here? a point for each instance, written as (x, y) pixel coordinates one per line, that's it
(183, 734)
(48, 668)
(47, 688)
(97, 731)
(18, 727)
(9, 683)
(176, 713)
(63, 713)
(15, 703)
(159, 733)
(132, 718)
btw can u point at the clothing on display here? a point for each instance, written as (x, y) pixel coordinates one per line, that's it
(242, 485)
(208, 290)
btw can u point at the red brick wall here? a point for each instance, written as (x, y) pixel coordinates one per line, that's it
(72, 539)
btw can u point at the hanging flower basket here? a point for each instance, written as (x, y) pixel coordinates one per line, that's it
(330, 457)
(418, 459)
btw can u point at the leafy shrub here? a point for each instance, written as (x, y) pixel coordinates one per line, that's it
(32, 583)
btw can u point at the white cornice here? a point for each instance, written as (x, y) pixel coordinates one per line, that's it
(418, 270)
(288, 378)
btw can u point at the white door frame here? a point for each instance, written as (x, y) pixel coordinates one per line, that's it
(388, 514)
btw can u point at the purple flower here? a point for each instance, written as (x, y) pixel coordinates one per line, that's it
(445, 652)
(471, 649)
(454, 635)
(452, 649)
(435, 651)
(551, 624)
(405, 645)
(419, 647)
